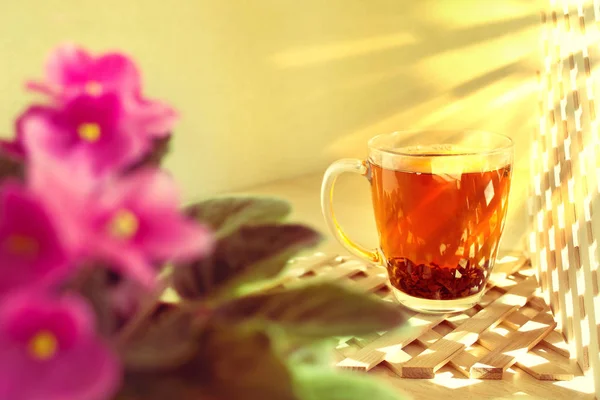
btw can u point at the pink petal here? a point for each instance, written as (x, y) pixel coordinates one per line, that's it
(43, 88)
(144, 188)
(80, 313)
(47, 132)
(157, 189)
(38, 136)
(165, 234)
(158, 118)
(23, 311)
(14, 307)
(89, 372)
(118, 72)
(68, 65)
(22, 211)
(34, 113)
(66, 190)
(83, 369)
(176, 239)
(15, 370)
(46, 172)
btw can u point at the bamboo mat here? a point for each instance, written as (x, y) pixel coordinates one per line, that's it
(511, 328)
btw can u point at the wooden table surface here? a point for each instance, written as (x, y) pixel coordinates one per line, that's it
(353, 208)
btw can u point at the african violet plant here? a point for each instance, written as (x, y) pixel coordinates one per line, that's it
(92, 232)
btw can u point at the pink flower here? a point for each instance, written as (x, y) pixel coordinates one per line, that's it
(31, 249)
(72, 71)
(136, 222)
(49, 350)
(91, 132)
(131, 222)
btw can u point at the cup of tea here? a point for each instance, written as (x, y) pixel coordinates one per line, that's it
(439, 201)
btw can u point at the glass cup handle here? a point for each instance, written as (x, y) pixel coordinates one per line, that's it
(331, 175)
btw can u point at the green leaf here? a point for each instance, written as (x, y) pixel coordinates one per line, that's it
(317, 310)
(243, 364)
(309, 351)
(225, 215)
(250, 254)
(231, 363)
(165, 342)
(318, 383)
(161, 386)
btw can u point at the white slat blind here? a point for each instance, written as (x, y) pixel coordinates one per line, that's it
(564, 201)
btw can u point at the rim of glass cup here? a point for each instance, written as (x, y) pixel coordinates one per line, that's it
(509, 143)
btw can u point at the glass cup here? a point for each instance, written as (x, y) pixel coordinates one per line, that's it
(440, 201)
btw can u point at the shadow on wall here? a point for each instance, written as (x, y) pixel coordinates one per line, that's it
(333, 77)
(270, 89)
(329, 78)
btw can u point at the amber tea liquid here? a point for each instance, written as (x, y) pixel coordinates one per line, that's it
(439, 229)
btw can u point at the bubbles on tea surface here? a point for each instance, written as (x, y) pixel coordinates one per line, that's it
(440, 149)
(442, 177)
(448, 161)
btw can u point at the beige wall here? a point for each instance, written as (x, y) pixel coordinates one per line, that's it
(270, 89)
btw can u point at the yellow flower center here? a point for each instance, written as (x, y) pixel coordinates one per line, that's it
(89, 132)
(93, 88)
(124, 224)
(43, 345)
(21, 245)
